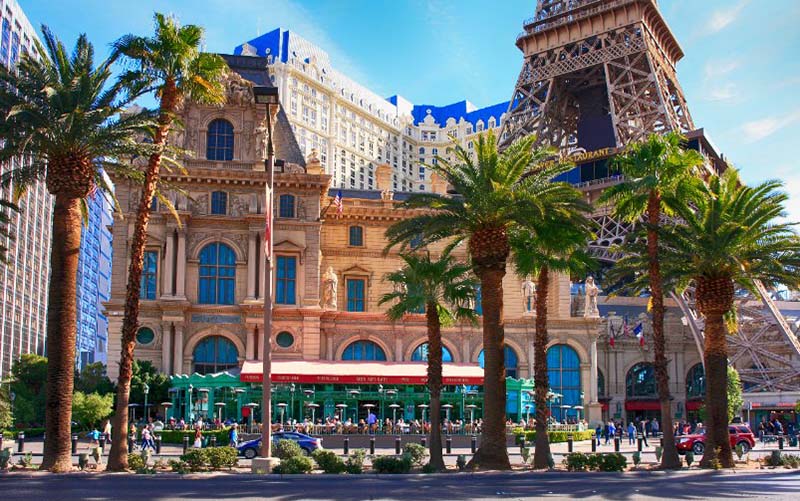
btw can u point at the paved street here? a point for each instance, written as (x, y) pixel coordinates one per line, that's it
(767, 484)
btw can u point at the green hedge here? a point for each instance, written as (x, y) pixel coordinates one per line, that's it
(29, 433)
(553, 436)
(176, 437)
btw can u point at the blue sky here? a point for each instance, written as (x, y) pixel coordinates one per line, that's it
(741, 74)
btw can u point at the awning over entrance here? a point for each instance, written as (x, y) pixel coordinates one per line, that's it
(642, 405)
(337, 372)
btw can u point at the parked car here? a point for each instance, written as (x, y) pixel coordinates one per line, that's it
(739, 435)
(251, 448)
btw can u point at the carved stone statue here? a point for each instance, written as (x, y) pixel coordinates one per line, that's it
(330, 287)
(592, 291)
(528, 295)
(313, 156)
(261, 140)
(387, 195)
(239, 90)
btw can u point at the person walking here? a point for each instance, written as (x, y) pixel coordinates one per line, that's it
(631, 432)
(107, 431)
(233, 436)
(372, 419)
(598, 432)
(643, 429)
(198, 438)
(612, 431)
(655, 427)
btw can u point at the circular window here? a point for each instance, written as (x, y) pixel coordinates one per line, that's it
(145, 335)
(284, 339)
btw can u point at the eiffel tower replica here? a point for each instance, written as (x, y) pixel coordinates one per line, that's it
(596, 74)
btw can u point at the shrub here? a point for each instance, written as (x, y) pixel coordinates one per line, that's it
(739, 450)
(5, 457)
(136, 462)
(774, 459)
(416, 452)
(429, 468)
(461, 462)
(659, 453)
(176, 436)
(637, 458)
(689, 458)
(26, 461)
(355, 463)
(181, 467)
(221, 457)
(328, 461)
(613, 462)
(391, 464)
(525, 452)
(285, 449)
(195, 458)
(576, 461)
(554, 437)
(294, 465)
(594, 461)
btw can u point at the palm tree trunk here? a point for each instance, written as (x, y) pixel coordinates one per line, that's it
(493, 454)
(714, 299)
(669, 459)
(435, 384)
(541, 380)
(62, 317)
(118, 456)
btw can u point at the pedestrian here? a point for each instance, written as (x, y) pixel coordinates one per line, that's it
(643, 428)
(94, 435)
(107, 431)
(612, 431)
(198, 438)
(598, 432)
(146, 438)
(631, 432)
(655, 427)
(372, 419)
(233, 436)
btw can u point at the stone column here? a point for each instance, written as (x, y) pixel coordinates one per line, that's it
(177, 361)
(181, 278)
(166, 347)
(251, 266)
(251, 342)
(593, 374)
(169, 260)
(261, 277)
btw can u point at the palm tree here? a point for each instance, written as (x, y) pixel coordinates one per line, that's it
(658, 176)
(496, 194)
(444, 289)
(730, 236)
(556, 243)
(62, 116)
(171, 65)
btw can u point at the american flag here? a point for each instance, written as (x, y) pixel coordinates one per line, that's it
(339, 203)
(268, 225)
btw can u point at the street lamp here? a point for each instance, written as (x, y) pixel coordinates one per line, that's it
(291, 407)
(267, 96)
(146, 388)
(282, 407)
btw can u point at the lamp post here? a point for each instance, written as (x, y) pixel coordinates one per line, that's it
(146, 388)
(268, 96)
(291, 406)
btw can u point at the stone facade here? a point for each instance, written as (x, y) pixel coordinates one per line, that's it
(318, 238)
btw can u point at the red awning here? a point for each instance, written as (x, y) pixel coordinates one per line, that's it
(642, 405)
(693, 405)
(337, 372)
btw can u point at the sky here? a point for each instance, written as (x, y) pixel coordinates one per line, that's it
(741, 74)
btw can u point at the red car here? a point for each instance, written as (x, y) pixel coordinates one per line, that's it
(739, 434)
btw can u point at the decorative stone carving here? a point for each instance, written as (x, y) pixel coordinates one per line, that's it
(238, 205)
(261, 140)
(241, 239)
(178, 136)
(330, 288)
(249, 141)
(193, 240)
(528, 296)
(387, 195)
(199, 204)
(592, 291)
(293, 169)
(301, 209)
(239, 90)
(192, 134)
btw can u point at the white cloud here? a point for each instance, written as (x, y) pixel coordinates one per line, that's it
(757, 130)
(724, 92)
(715, 71)
(718, 68)
(722, 18)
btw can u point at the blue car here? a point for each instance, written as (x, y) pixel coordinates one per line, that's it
(251, 448)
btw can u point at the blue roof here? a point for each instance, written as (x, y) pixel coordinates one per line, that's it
(367, 194)
(273, 43)
(462, 109)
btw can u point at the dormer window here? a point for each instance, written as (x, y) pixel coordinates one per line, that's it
(219, 141)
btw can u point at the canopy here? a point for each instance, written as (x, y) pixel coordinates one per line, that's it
(339, 372)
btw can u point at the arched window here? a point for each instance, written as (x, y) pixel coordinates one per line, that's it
(564, 373)
(219, 203)
(696, 382)
(217, 274)
(511, 361)
(215, 354)
(421, 354)
(364, 350)
(286, 206)
(640, 382)
(219, 140)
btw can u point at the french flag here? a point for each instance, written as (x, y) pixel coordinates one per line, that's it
(638, 331)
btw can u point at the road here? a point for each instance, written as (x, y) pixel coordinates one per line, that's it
(766, 484)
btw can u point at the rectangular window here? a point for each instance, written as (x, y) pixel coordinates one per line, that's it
(286, 206)
(286, 283)
(5, 43)
(356, 236)
(219, 203)
(149, 274)
(355, 294)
